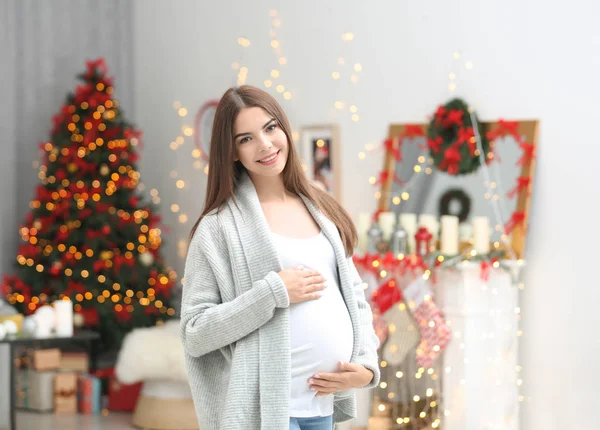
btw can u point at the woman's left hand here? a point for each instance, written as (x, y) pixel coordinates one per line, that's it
(351, 375)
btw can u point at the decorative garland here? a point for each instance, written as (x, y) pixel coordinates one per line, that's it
(451, 140)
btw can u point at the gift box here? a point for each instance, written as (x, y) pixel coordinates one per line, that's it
(35, 390)
(44, 359)
(41, 390)
(65, 393)
(89, 394)
(123, 397)
(75, 362)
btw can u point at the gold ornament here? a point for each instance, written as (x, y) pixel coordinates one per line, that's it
(72, 167)
(104, 170)
(37, 224)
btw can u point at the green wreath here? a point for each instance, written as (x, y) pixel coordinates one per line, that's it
(451, 140)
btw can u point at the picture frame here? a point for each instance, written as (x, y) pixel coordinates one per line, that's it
(319, 150)
(529, 129)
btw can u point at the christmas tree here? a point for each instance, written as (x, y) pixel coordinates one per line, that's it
(89, 235)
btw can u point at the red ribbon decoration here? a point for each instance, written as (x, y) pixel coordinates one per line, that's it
(528, 149)
(516, 218)
(467, 135)
(434, 144)
(485, 268)
(510, 127)
(451, 160)
(454, 117)
(394, 149)
(504, 128)
(384, 176)
(413, 131)
(522, 183)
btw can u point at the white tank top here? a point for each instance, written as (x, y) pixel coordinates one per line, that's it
(321, 330)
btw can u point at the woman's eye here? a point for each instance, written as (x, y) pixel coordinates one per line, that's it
(244, 140)
(271, 127)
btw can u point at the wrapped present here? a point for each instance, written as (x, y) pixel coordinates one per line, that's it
(65, 393)
(44, 359)
(89, 394)
(35, 390)
(74, 362)
(123, 397)
(41, 391)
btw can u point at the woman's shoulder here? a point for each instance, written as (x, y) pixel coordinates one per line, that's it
(210, 228)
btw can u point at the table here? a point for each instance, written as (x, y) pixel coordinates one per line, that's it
(22, 339)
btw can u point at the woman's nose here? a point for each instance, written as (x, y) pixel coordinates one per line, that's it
(265, 143)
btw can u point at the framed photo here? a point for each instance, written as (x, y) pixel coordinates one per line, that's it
(320, 152)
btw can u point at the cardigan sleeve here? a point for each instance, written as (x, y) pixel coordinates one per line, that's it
(207, 324)
(367, 354)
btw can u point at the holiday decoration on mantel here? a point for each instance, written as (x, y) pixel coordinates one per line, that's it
(89, 236)
(451, 140)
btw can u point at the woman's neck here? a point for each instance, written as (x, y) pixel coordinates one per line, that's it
(269, 188)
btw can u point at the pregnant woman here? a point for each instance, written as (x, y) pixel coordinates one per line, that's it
(275, 325)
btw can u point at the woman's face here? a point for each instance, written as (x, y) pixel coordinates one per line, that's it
(260, 144)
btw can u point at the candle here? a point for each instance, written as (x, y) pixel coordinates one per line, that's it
(449, 245)
(387, 221)
(481, 234)
(409, 222)
(362, 226)
(64, 317)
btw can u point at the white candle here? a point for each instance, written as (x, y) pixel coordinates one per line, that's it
(64, 317)
(481, 234)
(449, 245)
(387, 223)
(362, 226)
(430, 222)
(409, 222)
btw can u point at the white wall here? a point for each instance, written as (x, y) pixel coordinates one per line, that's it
(532, 59)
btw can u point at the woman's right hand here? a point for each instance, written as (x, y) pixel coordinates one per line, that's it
(302, 285)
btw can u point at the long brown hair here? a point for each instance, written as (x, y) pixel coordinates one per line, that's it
(224, 173)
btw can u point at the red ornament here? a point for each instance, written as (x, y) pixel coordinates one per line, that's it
(423, 238)
(106, 229)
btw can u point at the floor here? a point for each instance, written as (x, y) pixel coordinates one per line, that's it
(37, 421)
(112, 421)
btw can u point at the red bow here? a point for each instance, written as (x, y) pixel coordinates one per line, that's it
(413, 131)
(527, 153)
(385, 176)
(516, 218)
(390, 260)
(393, 148)
(454, 117)
(522, 183)
(434, 144)
(450, 161)
(466, 135)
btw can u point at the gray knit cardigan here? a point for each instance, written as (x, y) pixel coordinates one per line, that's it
(235, 319)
